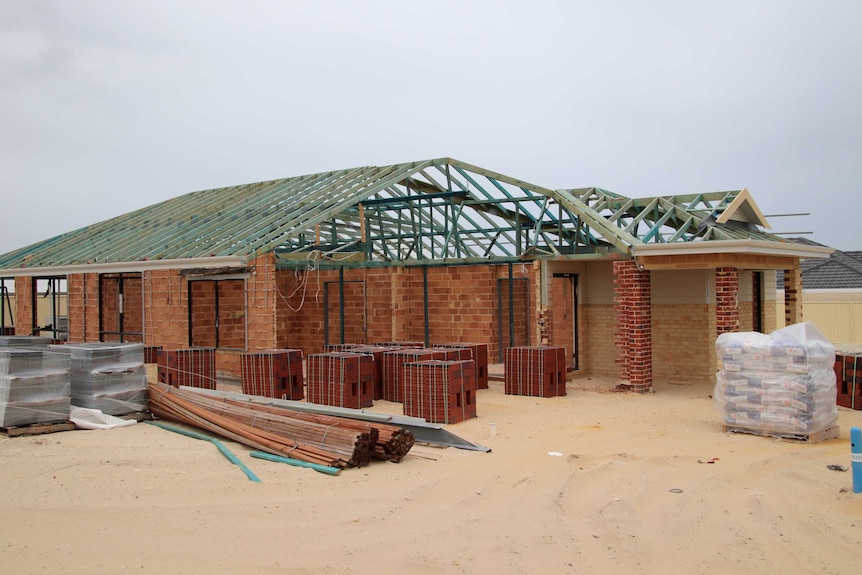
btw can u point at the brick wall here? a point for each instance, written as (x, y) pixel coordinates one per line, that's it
(682, 343)
(560, 315)
(462, 306)
(133, 310)
(597, 351)
(23, 305)
(166, 295)
(83, 292)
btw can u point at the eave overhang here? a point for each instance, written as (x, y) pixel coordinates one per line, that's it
(128, 267)
(747, 247)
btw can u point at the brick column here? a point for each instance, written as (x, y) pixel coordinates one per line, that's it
(23, 305)
(633, 330)
(726, 300)
(792, 296)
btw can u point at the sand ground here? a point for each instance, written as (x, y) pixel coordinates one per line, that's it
(144, 500)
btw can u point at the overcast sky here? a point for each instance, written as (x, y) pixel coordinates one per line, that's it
(106, 107)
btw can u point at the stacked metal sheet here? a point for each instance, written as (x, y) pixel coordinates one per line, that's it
(110, 377)
(34, 387)
(24, 341)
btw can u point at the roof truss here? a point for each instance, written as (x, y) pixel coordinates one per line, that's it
(433, 210)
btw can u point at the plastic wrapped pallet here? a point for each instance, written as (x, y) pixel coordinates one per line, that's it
(24, 341)
(782, 383)
(110, 377)
(34, 387)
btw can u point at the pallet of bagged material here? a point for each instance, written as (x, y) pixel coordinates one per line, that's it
(816, 437)
(37, 428)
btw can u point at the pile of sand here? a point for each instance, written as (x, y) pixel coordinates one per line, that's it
(593, 482)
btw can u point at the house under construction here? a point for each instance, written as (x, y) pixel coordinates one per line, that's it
(433, 251)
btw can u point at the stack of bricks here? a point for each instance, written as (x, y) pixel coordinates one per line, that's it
(441, 391)
(535, 371)
(376, 352)
(273, 373)
(848, 376)
(479, 357)
(339, 347)
(393, 368)
(193, 367)
(151, 353)
(404, 344)
(340, 379)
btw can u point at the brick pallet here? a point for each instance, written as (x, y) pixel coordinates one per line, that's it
(409, 344)
(393, 368)
(151, 353)
(441, 391)
(273, 373)
(536, 371)
(340, 347)
(377, 352)
(479, 356)
(193, 367)
(340, 379)
(848, 376)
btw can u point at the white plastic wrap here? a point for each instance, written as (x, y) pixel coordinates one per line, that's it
(780, 383)
(109, 377)
(34, 387)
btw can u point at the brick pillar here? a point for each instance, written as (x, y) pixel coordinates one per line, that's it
(24, 305)
(792, 296)
(633, 330)
(726, 300)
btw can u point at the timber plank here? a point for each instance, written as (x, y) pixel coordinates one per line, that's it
(37, 429)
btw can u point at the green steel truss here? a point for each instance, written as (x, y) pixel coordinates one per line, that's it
(440, 210)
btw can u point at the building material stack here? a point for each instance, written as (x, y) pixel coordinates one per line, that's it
(441, 391)
(479, 356)
(32, 341)
(780, 384)
(403, 344)
(151, 353)
(194, 367)
(110, 377)
(314, 438)
(393, 368)
(537, 371)
(848, 374)
(376, 352)
(340, 379)
(273, 373)
(340, 347)
(34, 387)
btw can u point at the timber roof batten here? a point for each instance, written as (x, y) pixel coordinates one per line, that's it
(432, 211)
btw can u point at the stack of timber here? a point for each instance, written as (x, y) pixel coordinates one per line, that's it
(330, 441)
(393, 442)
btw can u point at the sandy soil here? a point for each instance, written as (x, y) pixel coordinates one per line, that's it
(141, 499)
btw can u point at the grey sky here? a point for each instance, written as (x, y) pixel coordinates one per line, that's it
(106, 107)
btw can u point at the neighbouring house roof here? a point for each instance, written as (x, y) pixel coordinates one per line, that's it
(842, 270)
(441, 210)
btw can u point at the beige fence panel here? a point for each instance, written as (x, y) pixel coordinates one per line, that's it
(841, 322)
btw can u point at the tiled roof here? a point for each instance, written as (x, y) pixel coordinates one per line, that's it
(843, 270)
